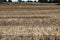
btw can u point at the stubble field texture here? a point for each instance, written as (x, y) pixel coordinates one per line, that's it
(29, 21)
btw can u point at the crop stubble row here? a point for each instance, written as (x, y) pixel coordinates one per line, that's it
(29, 22)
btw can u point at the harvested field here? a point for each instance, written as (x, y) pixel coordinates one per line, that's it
(29, 21)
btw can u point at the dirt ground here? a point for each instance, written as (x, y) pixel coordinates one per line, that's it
(29, 21)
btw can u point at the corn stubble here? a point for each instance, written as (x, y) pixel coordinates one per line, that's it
(18, 22)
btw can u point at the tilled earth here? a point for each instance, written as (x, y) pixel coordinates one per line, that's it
(29, 21)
